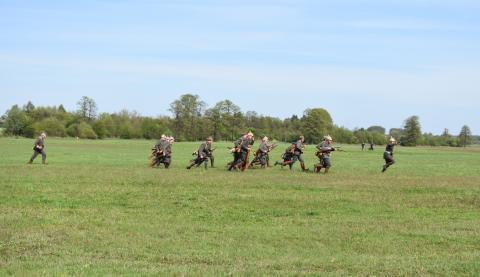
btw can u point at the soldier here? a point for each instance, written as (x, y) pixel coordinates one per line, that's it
(388, 154)
(371, 146)
(324, 148)
(167, 161)
(158, 152)
(363, 146)
(202, 154)
(210, 153)
(297, 154)
(241, 152)
(261, 155)
(39, 148)
(287, 156)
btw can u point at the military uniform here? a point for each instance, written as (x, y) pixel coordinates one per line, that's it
(210, 154)
(162, 153)
(388, 156)
(287, 156)
(39, 148)
(297, 154)
(261, 155)
(323, 155)
(202, 156)
(242, 148)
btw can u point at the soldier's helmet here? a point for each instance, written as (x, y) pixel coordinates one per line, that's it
(265, 138)
(43, 134)
(327, 137)
(163, 136)
(301, 137)
(392, 140)
(250, 134)
(210, 139)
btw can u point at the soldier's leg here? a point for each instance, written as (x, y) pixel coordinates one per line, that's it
(35, 154)
(212, 160)
(302, 162)
(327, 164)
(206, 163)
(44, 156)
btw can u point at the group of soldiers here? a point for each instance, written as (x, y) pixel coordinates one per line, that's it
(162, 153)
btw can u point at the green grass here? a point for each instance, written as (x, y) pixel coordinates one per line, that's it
(97, 209)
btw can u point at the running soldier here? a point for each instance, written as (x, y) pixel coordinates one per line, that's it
(202, 153)
(39, 148)
(261, 155)
(161, 153)
(388, 154)
(167, 161)
(287, 156)
(210, 153)
(297, 155)
(324, 148)
(241, 152)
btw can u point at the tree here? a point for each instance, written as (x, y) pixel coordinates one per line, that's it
(52, 126)
(87, 108)
(465, 136)
(16, 121)
(412, 135)
(226, 118)
(187, 110)
(316, 123)
(29, 107)
(396, 132)
(376, 129)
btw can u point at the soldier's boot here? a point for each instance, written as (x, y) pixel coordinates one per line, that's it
(276, 163)
(326, 170)
(318, 168)
(302, 165)
(30, 161)
(191, 165)
(211, 163)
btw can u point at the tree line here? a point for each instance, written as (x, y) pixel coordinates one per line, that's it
(192, 120)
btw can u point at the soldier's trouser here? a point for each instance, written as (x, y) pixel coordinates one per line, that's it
(263, 160)
(325, 162)
(212, 160)
(388, 157)
(35, 154)
(242, 157)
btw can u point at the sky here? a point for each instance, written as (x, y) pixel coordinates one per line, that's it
(372, 62)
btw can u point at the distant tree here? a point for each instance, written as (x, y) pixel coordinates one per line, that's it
(316, 123)
(465, 136)
(87, 108)
(396, 132)
(376, 129)
(187, 110)
(52, 126)
(226, 118)
(16, 121)
(61, 109)
(29, 107)
(81, 130)
(412, 135)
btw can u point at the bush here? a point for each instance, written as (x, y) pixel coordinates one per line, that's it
(81, 130)
(52, 126)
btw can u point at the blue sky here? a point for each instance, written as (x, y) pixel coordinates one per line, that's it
(373, 62)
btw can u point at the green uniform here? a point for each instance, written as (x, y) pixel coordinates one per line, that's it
(39, 148)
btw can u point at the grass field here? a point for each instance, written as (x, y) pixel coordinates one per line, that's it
(96, 209)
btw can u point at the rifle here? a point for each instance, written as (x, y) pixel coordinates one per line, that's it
(271, 147)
